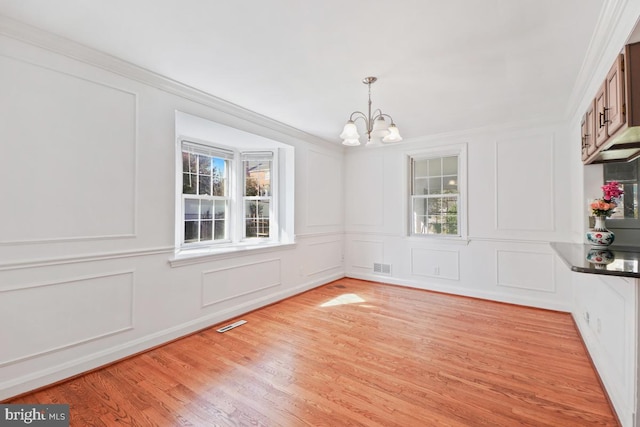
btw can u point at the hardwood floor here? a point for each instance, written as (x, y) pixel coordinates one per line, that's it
(355, 353)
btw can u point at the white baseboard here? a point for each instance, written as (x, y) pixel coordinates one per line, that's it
(459, 290)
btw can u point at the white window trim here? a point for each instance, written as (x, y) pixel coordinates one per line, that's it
(191, 252)
(459, 150)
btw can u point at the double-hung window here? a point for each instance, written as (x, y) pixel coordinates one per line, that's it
(228, 196)
(205, 193)
(434, 195)
(258, 206)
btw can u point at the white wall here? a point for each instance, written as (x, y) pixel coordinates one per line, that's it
(516, 183)
(88, 211)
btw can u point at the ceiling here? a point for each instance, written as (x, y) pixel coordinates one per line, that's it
(442, 66)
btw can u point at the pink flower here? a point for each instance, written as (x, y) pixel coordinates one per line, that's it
(612, 190)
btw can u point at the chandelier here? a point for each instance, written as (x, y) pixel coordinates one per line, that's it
(378, 130)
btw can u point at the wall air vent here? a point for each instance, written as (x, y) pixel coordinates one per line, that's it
(382, 268)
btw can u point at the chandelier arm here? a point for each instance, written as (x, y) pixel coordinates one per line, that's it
(360, 116)
(381, 114)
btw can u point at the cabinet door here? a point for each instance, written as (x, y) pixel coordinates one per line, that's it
(601, 123)
(614, 100)
(590, 119)
(583, 137)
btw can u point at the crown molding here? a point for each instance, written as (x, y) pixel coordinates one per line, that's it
(31, 35)
(615, 23)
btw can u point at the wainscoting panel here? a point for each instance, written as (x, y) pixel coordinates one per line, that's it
(53, 316)
(442, 264)
(525, 270)
(227, 283)
(324, 256)
(324, 181)
(525, 198)
(611, 315)
(63, 136)
(363, 253)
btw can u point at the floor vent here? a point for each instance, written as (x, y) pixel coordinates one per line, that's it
(231, 326)
(382, 268)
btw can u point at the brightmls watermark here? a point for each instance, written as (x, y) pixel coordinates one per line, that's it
(34, 415)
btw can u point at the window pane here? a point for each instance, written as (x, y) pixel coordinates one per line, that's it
(221, 209)
(189, 163)
(420, 186)
(435, 185)
(191, 209)
(450, 225)
(189, 183)
(206, 209)
(419, 215)
(220, 222)
(450, 184)
(190, 231)
(205, 184)
(435, 206)
(206, 230)
(220, 232)
(256, 218)
(450, 165)
(204, 164)
(435, 167)
(219, 179)
(257, 178)
(419, 168)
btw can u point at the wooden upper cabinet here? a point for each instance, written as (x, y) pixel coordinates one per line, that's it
(616, 113)
(614, 116)
(600, 121)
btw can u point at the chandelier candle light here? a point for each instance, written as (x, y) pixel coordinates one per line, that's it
(599, 236)
(378, 130)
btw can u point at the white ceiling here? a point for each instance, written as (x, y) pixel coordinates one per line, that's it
(442, 65)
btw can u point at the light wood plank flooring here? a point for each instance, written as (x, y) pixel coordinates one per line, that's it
(355, 353)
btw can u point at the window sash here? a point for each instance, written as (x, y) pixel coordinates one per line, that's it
(434, 222)
(251, 215)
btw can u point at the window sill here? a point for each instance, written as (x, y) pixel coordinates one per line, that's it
(462, 241)
(205, 254)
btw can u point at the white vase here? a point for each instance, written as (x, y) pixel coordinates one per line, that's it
(599, 236)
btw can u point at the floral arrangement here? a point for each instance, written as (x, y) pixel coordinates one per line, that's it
(606, 205)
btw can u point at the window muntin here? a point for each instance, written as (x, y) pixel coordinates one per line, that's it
(434, 196)
(257, 195)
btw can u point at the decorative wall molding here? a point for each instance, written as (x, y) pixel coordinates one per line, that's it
(334, 257)
(435, 260)
(230, 281)
(520, 278)
(330, 183)
(128, 274)
(48, 262)
(66, 126)
(34, 36)
(549, 174)
(377, 245)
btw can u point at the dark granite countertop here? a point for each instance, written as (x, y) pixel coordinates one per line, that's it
(614, 261)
